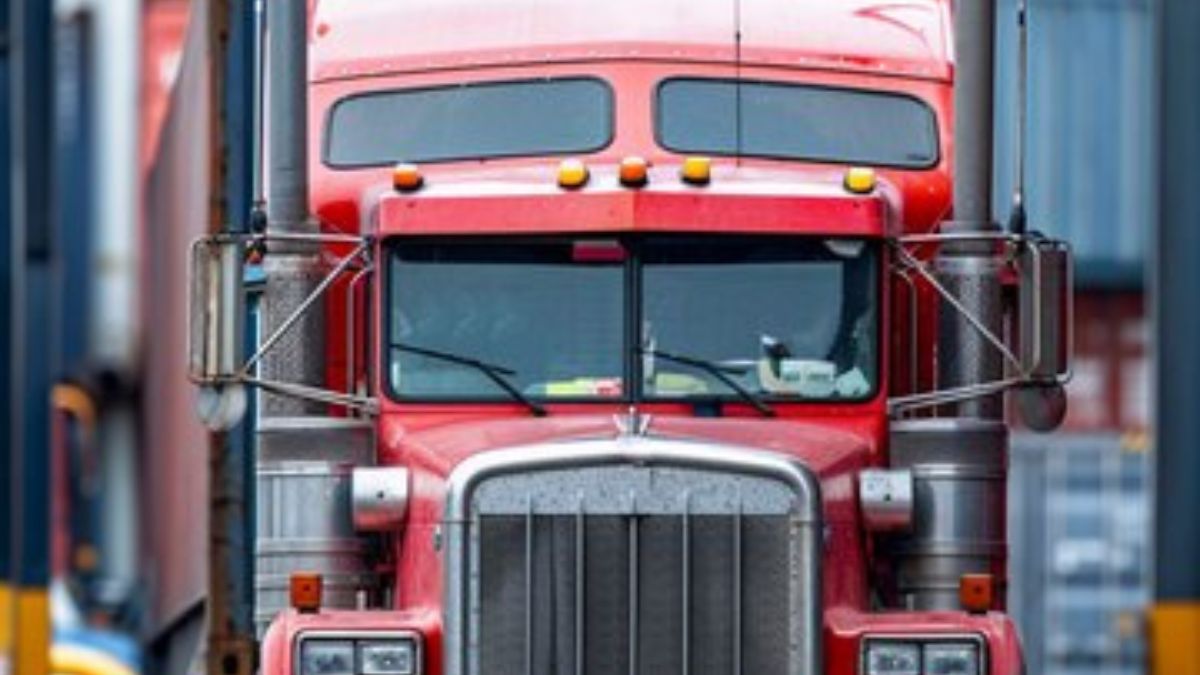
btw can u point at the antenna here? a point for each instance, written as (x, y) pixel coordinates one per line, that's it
(737, 79)
(1017, 219)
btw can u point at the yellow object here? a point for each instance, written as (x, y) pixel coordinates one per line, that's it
(31, 637)
(1175, 638)
(6, 614)
(634, 171)
(77, 660)
(407, 177)
(859, 180)
(696, 170)
(572, 173)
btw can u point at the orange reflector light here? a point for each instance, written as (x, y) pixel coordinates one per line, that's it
(407, 177)
(696, 170)
(304, 590)
(859, 180)
(634, 171)
(976, 592)
(572, 173)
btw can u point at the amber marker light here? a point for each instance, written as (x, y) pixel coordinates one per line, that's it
(634, 172)
(859, 180)
(696, 170)
(572, 174)
(976, 592)
(304, 591)
(407, 177)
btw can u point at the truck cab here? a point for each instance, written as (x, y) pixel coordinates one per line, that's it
(631, 329)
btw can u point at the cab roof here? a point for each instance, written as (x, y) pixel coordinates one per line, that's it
(356, 38)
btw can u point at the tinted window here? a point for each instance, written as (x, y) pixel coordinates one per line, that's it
(471, 121)
(784, 317)
(795, 122)
(552, 323)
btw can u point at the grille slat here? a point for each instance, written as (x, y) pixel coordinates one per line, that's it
(586, 587)
(580, 587)
(633, 595)
(685, 610)
(529, 583)
(736, 585)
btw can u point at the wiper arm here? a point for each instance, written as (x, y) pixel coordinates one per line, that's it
(718, 371)
(493, 372)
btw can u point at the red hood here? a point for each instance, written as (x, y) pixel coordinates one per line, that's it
(824, 448)
(831, 452)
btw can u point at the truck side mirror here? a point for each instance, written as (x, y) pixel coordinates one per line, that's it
(215, 313)
(1046, 313)
(1046, 309)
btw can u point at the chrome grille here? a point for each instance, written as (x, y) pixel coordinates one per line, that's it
(626, 567)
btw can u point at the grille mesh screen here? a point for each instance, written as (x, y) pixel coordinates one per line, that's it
(656, 588)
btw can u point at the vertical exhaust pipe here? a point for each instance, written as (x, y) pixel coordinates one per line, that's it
(969, 270)
(959, 460)
(303, 455)
(292, 270)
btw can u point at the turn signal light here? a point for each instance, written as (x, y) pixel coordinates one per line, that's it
(407, 177)
(634, 172)
(859, 180)
(696, 170)
(572, 174)
(304, 591)
(976, 592)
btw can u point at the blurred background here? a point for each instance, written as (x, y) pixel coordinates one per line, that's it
(131, 159)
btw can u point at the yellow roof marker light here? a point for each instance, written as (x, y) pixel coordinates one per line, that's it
(407, 177)
(859, 180)
(634, 172)
(572, 174)
(696, 170)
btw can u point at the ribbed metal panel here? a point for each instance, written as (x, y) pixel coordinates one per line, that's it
(1079, 520)
(1090, 164)
(660, 594)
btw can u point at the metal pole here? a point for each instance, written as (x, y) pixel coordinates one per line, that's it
(7, 455)
(32, 324)
(1174, 280)
(231, 42)
(969, 271)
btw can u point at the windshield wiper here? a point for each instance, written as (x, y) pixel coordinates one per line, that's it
(719, 371)
(493, 372)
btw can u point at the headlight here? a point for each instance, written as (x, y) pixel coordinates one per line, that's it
(952, 658)
(396, 657)
(367, 654)
(922, 656)
(893, 658)
(327, 657)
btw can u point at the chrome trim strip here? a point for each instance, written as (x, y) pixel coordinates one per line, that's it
(638, 451)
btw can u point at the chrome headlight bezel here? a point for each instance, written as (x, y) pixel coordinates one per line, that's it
(922, 642)
(358, 640)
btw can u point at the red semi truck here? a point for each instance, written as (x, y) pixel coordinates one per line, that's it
(628, 343)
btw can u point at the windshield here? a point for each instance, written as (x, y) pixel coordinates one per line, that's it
(784, 318)
(792, 121)
(554, 326)
(717, 317)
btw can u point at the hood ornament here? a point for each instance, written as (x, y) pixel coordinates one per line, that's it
(632, 423)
